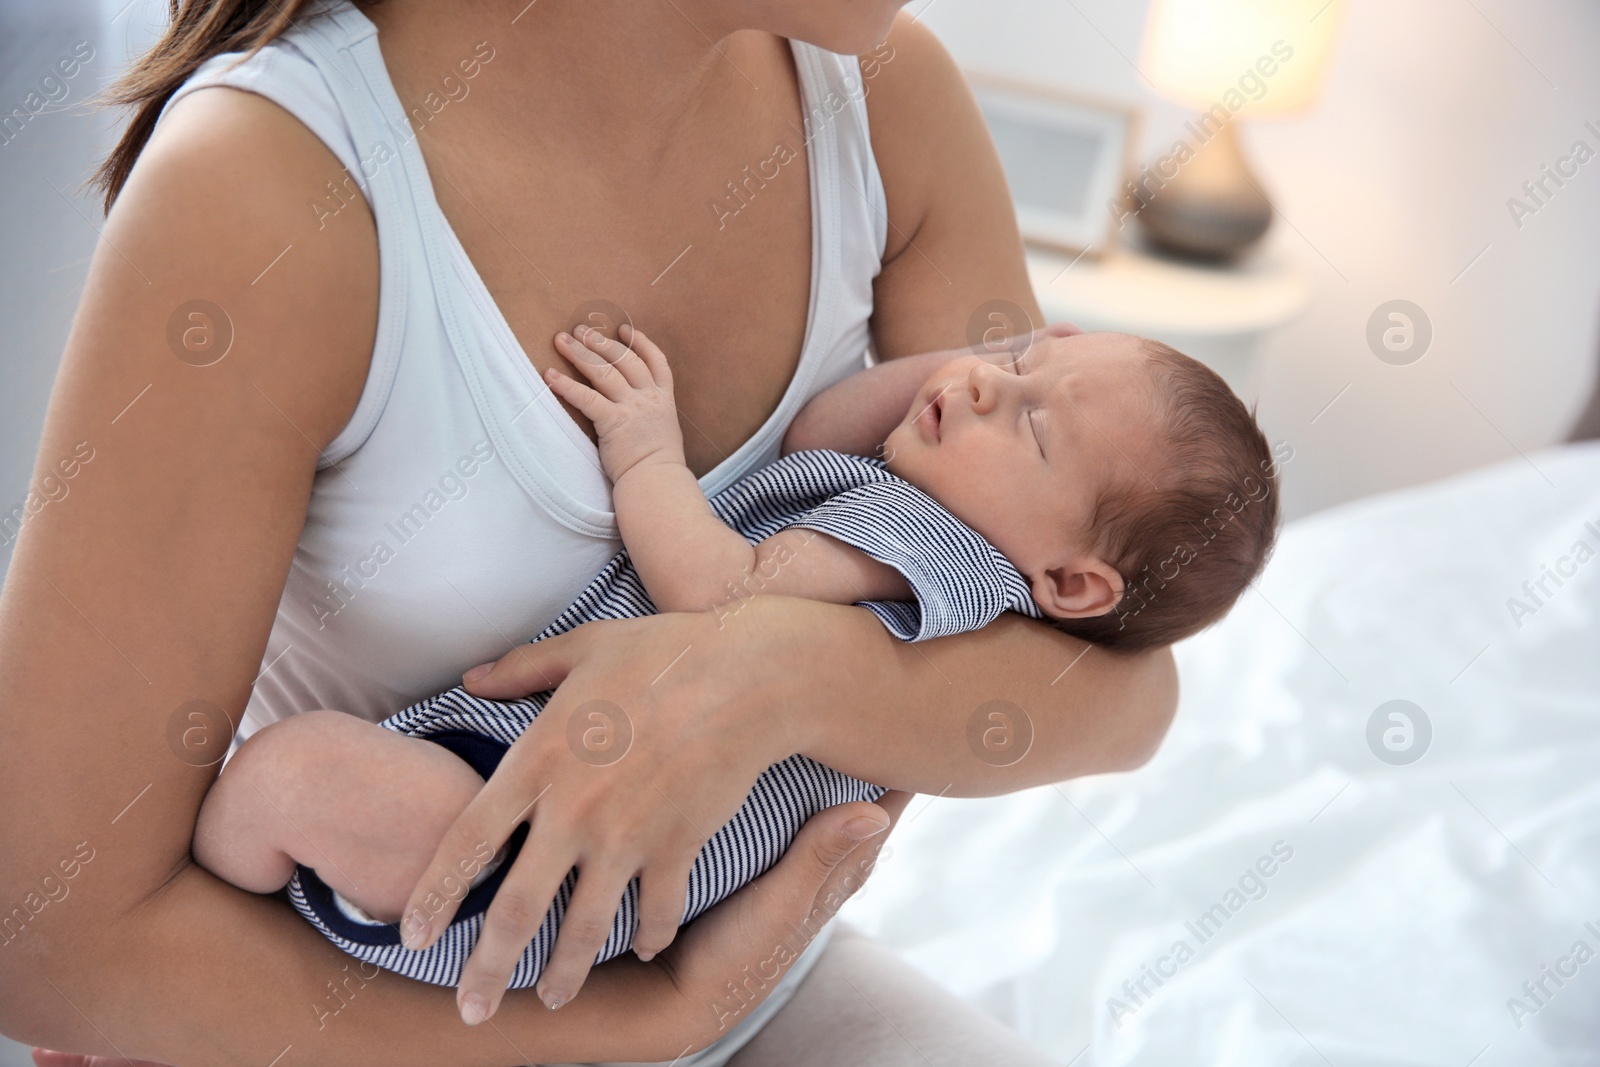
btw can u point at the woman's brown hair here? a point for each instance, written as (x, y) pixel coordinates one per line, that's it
(196, 31)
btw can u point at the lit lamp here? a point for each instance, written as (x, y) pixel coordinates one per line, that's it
(1226, 58)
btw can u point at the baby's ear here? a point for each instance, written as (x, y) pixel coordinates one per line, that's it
(1079, 589)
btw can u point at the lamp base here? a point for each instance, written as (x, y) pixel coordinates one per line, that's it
(1212, 209)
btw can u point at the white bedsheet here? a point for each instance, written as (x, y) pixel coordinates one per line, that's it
(1417, 900)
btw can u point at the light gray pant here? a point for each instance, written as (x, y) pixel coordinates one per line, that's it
(865, 1006)
(850, 1000)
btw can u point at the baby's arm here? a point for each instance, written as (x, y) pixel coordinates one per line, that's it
(364, 807)
(688, 559)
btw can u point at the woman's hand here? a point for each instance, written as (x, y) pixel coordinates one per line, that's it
(650, 745)
(758, 931)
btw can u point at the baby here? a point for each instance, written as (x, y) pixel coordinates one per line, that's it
(1100, 465)
(1103, 482)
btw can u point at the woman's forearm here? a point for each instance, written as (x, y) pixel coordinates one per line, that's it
(244, 980)
(855, 415)
(1013, 705)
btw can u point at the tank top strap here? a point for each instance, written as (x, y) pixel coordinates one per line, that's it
(836, 109)
(314, 71)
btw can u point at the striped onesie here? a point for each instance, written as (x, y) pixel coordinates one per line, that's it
(961, 583)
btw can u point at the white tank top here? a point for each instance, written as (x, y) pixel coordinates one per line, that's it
(462, 508)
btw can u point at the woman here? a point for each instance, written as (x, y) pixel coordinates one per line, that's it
(322, 475)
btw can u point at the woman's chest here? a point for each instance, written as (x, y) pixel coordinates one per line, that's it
(708, 249)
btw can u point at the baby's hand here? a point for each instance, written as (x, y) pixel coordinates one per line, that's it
(631, 404)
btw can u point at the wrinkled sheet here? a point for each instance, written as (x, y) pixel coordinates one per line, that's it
(1416, 899)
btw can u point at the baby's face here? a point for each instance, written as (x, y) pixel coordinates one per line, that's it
(1021, 452)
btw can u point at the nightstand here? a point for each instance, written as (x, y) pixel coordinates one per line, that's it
(1217, 314)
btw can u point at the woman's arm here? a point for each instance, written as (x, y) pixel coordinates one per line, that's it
(983, 713)
(857, 414)
(155, 584)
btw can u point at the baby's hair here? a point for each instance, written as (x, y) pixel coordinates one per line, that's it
(1187, 545)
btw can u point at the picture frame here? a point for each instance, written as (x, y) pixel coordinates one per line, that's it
(1066, 156)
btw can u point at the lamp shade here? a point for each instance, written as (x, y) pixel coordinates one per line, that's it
(1271, 54)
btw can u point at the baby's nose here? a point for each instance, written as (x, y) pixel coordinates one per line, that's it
(984, 387)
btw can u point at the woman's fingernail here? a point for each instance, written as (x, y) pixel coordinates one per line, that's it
(477, 672)
(554, 1000)
(474, 1009)
(644, 957)
(861, 827)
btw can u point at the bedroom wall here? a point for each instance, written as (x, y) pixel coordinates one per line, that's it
(1434, 113)
(45, 243)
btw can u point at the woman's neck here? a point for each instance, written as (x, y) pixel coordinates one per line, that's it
(636, 69)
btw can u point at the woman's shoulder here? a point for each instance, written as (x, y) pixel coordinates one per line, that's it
(284, 71)
(923, 118)
(944, 187)
(219, 199)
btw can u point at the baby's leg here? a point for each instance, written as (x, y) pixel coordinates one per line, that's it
(363, 806)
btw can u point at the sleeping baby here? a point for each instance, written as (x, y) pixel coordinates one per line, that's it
(1102, 482)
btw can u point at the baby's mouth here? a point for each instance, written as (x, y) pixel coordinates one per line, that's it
(934, 413)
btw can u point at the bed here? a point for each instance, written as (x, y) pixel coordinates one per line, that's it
(1351, 888)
